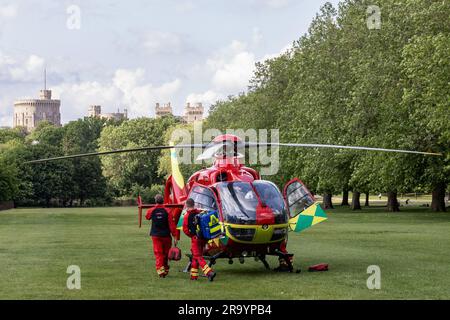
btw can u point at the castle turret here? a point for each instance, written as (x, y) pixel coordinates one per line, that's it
(165, 110)
(29, 112)
(94, 111)
(193, 113)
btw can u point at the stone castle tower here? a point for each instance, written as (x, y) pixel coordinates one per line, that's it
(96, 111)
(29, 112)
(165, 110)
(193, 113)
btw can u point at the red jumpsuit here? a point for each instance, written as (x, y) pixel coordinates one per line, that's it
(163, 226)
(197, 246)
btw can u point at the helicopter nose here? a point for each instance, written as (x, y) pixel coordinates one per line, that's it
(264, 215)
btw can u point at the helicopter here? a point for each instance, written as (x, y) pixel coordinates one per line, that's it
(254, 215)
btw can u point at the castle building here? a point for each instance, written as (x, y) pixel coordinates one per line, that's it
(165, 110)
(193, 113)
(96, 111)
(29, 112)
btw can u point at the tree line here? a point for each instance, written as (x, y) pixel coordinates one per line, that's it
(345, 83)
(82, 181)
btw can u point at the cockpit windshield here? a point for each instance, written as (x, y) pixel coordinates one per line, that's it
(239, 201)
(271, 196)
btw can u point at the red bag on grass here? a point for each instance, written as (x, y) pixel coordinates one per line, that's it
(319, 267)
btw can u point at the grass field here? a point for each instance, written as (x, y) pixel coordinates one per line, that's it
(412, 248)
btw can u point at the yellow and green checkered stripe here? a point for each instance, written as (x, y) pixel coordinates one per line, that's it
(307, 218)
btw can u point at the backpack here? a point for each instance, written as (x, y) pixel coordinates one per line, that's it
(192, 224)
(208, 226)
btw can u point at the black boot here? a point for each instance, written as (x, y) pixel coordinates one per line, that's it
(283, 267)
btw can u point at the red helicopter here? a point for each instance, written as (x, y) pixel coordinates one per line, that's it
(254, 215)
(252, 212)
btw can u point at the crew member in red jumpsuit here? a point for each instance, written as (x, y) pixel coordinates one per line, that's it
(197, 244)
(162, 230)
(284, 266)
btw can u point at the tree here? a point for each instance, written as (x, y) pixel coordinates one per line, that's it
(342, 83)
(87, 178)
(7, 135)
(9, 182)
(141, 168)
(426, 66)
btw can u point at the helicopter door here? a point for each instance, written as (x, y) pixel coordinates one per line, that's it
(204, 198)
(297, 197)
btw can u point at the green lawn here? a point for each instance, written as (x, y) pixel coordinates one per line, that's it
(37, 245)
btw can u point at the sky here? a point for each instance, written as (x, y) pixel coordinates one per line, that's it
(132, 54)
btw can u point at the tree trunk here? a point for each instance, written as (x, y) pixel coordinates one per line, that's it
(345, 196)
(438, 197)
(366, 204)
(356, 204)
(392, 204)
(327, 203)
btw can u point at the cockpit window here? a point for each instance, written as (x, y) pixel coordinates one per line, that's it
(239, 202)
(203, 198)
(271, 196)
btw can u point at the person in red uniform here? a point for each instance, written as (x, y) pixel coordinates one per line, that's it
(284, 266)
(197, 244)
(162, 230)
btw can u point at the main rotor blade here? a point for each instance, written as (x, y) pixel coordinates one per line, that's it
(101, 153)
(335, 146)
(210, 151)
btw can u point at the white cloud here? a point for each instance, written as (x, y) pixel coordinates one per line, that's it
(126, 80)
(126, 89)
(159, 42)
(31, 69)
(234, 75)
(277, 3)
(140, 96)
(232, 68)
(184, 6)
(275, 55)
(8, 11)
(27, 69)
(77, 97)
(207, 97)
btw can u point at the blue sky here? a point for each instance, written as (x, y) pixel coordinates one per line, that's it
(135, 53)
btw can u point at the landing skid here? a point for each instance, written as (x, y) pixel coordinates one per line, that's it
(212, 260)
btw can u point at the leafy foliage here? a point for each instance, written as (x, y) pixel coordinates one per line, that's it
(342, 83)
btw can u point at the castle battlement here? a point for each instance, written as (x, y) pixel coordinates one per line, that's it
(29, 112)
(164, 110)
(193, 113)
(96, 111)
